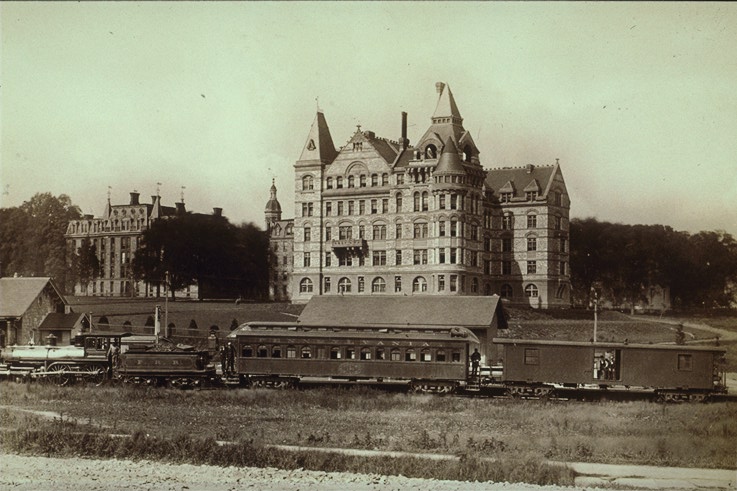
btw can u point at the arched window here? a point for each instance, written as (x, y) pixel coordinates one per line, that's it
(378, 285)
(351, 181)
(399, 202)
(307, 183)
(306, 352)
(467, 153)
(339, 182)
(531, 291)
(362, 180)
(291, 352)
(262, 351)
(247, 351)
(425, 355)
(506, 291)
(276, 352)
(424, 201)
(385, 179)
(396, 354)
(344, 285)
(431, 151)
(305, 286)
(419, 285)
(487, 289)
(417, 201)
(410, 355)
(335, 353)
(440, 355)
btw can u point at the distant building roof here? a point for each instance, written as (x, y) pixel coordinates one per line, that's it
(55, 320)
(524, 178)
(16, 294)
(428, 310)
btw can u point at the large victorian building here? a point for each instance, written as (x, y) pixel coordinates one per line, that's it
(116, 236)
(382, 217)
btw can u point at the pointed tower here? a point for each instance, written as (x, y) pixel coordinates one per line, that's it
(272, 212)
(319, 147)
(447, 123)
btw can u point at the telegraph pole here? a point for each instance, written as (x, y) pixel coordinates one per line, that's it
(166, 304)
(596, 316)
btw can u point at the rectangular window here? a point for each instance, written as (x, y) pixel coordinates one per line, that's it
(420, 256)
(453, 282)
(507, 245)
(308, 234)
(531, 267)
(397, 283)
(563, 268)
(563, 245)
(398, 256)
(532, 356)
(531, 244)
(361, 232)
(441, 229)
(385, 205)
(400, 179)
(374, 207)
(362, 206)
(327, 284)
(328, 233)
(441, 202)
(379, 258)
(505, 197)
(531, 195)
(507, 221)
(398, 231)
(328, 209)
(340, 208)
(453, 255)
(306, 260)
(361, 284)
(685, 363)
(328, 258)
(453, 228)
(441, 255)
(351, 207)
(441, 283)
(420, 230)
(291, 352)
(531, 221)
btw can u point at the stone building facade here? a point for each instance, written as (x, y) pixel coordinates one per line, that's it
(116, 236)
(383, 217)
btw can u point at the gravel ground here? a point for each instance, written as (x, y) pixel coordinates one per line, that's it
(23, 473)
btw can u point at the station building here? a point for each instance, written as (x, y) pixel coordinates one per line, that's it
(383, 217)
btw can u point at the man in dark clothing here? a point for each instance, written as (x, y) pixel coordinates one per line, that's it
(231, 357)
(475, 359)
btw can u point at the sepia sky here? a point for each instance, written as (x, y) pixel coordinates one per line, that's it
(637, 100)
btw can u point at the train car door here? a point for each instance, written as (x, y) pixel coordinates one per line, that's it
(607, 364)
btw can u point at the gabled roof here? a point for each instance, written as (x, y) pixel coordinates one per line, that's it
(345, 310)
(500, 180)
(384, 148)
(319, 145)
(16, 294)
(55, 320)
(532, 186)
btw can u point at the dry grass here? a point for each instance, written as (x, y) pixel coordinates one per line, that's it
(634, 433)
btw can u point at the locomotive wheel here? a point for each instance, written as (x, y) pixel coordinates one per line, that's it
(94, 375)
(60, 374)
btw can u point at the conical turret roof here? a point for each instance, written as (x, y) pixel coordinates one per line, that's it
(450, 162)
(319, 145)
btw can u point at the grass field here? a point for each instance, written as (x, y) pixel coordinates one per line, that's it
(511, 431)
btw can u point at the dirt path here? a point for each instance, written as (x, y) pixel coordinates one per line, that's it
(724, 334)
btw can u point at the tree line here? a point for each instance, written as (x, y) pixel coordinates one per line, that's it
(620, 261)
(624, 260)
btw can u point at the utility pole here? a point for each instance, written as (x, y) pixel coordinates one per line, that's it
(166, 305)
(596, 316)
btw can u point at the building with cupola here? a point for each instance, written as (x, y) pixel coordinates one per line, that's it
(384, 217)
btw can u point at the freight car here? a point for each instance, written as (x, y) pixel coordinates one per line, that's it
(536, 368)
(425, 359)
(86, 360)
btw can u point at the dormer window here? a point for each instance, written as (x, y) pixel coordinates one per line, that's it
(531, 195)
(505, 197)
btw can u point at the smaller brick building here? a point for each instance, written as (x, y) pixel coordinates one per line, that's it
(32, 308)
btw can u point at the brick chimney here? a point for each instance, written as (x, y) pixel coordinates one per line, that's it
(180, 208)
(134, 198)
(404, 142)
(217, 211)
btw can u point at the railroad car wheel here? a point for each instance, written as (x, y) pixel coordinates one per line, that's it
(94, 375)
(60, 374)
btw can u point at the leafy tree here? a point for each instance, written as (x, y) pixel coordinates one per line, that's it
(84, 264)
(625, 259)
(32, 237)
(207, 250)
